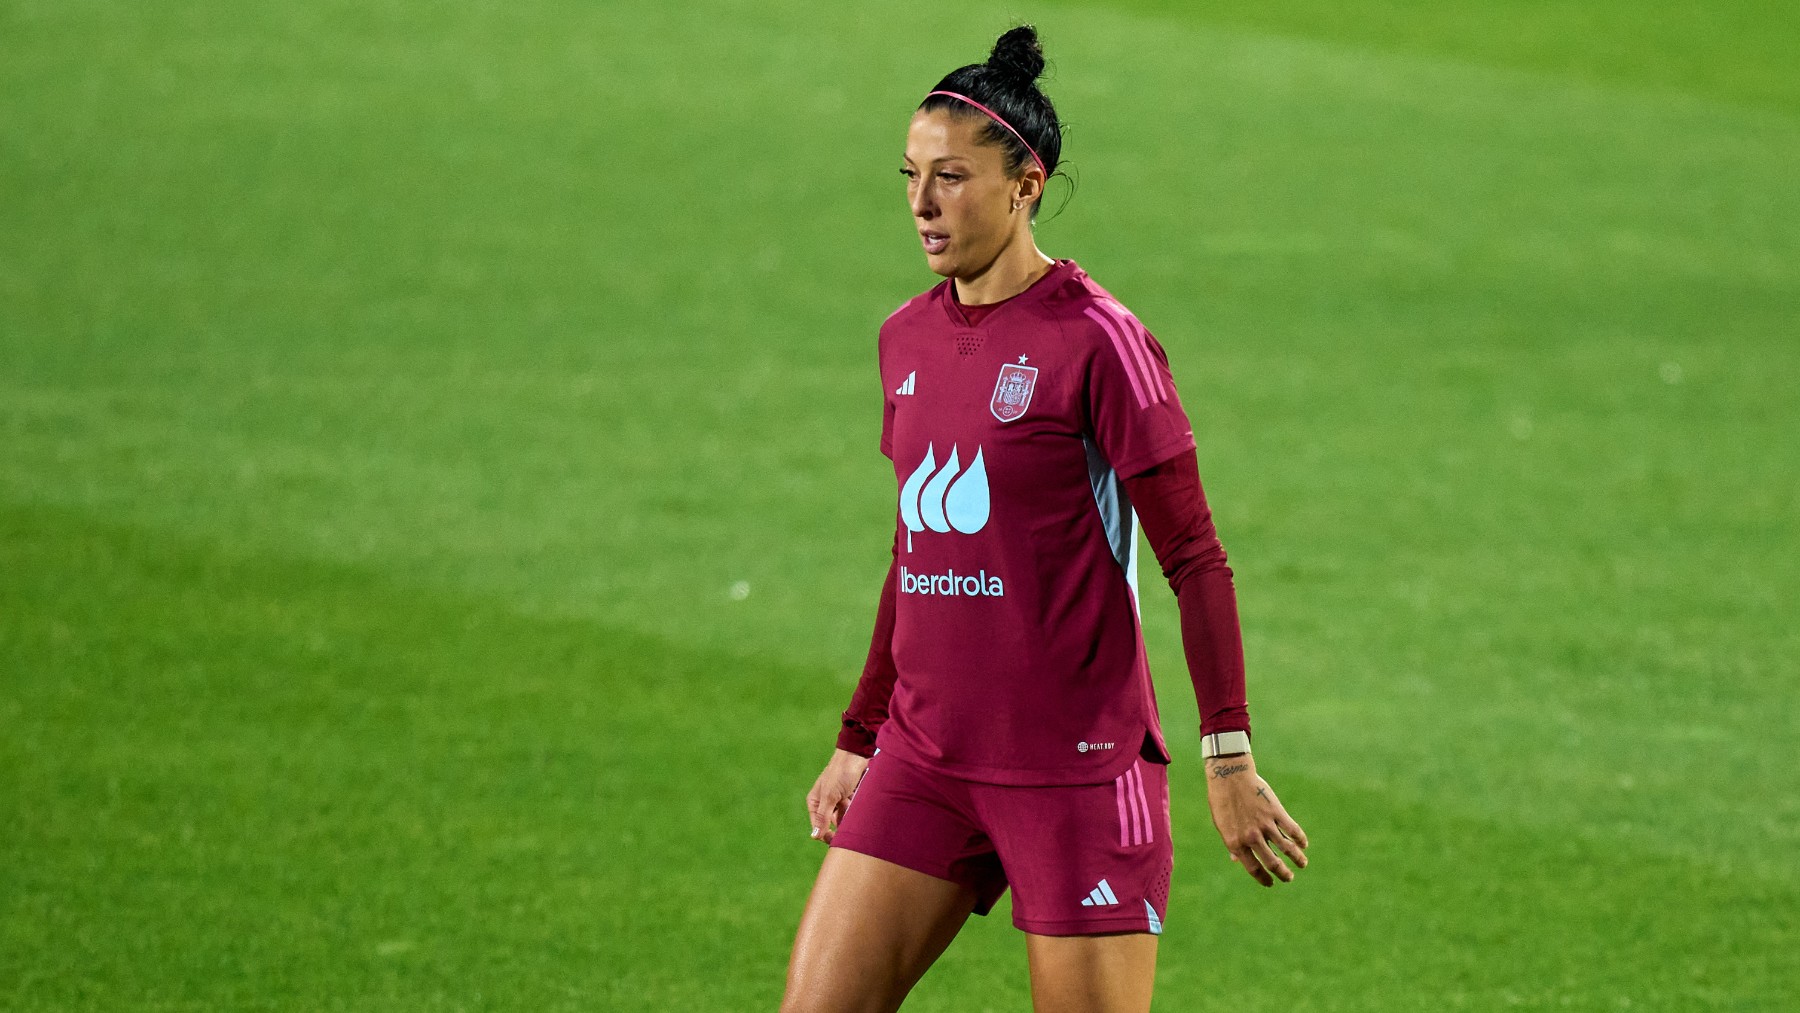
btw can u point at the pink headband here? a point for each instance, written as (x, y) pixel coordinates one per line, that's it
(996, 118)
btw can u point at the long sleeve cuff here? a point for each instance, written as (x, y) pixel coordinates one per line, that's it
(854, 738)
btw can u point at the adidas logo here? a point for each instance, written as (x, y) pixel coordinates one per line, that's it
(1100, 896)
(912, 380)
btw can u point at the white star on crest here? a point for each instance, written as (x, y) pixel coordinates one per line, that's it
(1021, 360)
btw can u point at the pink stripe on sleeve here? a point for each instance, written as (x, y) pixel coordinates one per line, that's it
(1137, 339)
(1118, 341)
(1159, 386)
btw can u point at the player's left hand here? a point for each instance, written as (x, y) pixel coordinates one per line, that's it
(1252, 821)
(830, 796)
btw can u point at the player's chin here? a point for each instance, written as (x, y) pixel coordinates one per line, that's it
(940, 264)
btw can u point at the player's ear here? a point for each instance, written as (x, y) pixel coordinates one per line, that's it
(1030, 187)
(1032, 184)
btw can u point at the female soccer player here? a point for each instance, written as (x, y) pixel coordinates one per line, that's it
(1004, 732)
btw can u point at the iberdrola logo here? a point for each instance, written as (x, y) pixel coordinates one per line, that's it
(945, 499)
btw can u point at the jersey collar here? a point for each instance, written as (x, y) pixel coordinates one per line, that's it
(1035, 293)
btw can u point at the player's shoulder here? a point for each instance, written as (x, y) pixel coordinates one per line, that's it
(913, 311)
(1088, 312)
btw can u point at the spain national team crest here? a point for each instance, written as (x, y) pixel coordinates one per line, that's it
(1012, 392)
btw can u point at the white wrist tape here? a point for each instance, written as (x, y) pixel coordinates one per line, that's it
(1224, 744)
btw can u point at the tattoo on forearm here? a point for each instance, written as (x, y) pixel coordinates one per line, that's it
(1226, 770)
(1264, 792)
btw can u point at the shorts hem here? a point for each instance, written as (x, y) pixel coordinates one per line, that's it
(874, 849)
(1084, 926)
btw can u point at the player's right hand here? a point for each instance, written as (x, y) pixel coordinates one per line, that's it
(831, 793)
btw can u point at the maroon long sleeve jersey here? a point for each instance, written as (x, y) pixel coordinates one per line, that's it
(1029, 437)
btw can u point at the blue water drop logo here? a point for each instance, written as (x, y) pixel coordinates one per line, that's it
(945, 499)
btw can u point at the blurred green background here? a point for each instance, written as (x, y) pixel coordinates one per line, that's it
(440, 512)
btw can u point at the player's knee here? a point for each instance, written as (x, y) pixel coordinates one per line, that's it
(815, 997)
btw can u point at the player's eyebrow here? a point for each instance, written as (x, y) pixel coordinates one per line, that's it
(946, 158)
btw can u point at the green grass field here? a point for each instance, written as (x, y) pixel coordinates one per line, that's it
(392, 393)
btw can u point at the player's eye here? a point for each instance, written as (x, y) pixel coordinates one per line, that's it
(948, 177)
(907, 173)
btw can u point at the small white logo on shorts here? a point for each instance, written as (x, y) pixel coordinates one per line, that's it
(1100, 896)
(1082, 747)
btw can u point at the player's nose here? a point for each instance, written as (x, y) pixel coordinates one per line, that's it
(923, 206)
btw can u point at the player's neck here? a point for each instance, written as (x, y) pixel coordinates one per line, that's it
(1012, 272)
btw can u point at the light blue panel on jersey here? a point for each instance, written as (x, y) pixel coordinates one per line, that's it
(1115, 512)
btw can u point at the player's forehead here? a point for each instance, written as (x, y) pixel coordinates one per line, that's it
(936, 137)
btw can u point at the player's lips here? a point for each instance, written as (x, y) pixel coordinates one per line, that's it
(934, 241)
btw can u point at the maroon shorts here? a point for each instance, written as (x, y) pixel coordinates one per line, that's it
(1081, 859)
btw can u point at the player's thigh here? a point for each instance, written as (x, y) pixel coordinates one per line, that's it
(1092, 974)
(870, 931)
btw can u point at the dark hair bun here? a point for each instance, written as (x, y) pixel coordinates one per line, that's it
(1018, 54)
